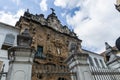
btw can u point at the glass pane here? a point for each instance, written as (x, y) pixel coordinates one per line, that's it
(96, 61)
(91, 61)
(102, 63)
(39, 53)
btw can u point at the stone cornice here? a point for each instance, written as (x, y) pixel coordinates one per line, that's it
(78, 65)
(29, 19)
(76, 54)
(23, 62)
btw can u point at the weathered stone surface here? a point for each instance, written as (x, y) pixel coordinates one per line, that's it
(56, 41)
(51, 21)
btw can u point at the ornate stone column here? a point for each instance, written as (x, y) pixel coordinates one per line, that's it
(21, 58)
(77, 63)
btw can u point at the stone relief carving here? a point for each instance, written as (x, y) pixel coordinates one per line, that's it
(50, 47)
(54, 43)
(74, 47)
(107, 46)
(51, 21)
(59, 43)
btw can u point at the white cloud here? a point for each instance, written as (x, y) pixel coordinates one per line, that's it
(43, 5)
(67, 3)
(61, 3)
(17, 2)
(9, 18)
(95, 23)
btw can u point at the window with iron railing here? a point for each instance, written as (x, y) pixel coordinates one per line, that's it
(39, 53)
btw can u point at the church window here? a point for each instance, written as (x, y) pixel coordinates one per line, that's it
(102, 63)
(91, 61)
(9, 41)
(97, 63)
(39, 53)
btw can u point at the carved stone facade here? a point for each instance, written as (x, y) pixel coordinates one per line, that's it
(55, 42)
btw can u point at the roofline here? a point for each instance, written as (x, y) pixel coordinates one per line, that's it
(9, 25)
(91, 52)
(50, 28)
(114, 61)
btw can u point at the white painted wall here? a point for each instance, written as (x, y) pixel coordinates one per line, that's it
(6, 29)
(115, 65)
(21, 66)
(97, 56)
(20, 71)
(79, 65)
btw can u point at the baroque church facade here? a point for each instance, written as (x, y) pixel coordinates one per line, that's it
(53, 42)
(44, 49)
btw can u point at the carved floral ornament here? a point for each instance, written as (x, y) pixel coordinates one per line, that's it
(58, 42)
(56, 24)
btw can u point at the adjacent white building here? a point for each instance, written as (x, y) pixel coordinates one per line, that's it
(21, 58)
(91, 66)
(95, 59)
(112, 55)
(8, 35)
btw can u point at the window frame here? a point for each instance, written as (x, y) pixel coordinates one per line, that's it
(9, 39)
(91, 61)
(97, 62)
(102, 63)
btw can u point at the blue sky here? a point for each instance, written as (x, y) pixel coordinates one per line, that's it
(94, 21)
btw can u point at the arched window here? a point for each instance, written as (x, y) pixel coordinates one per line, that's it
(97, 63)
(9, 39)
(8, 42)
(91, 61)
(102, 63)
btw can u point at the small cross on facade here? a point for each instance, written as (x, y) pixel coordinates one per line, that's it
(52, 10)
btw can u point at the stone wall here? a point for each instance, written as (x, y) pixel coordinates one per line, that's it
(57, 41)
(47, 36)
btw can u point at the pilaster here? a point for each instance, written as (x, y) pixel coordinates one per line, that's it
(78, 63)
(21, 58)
